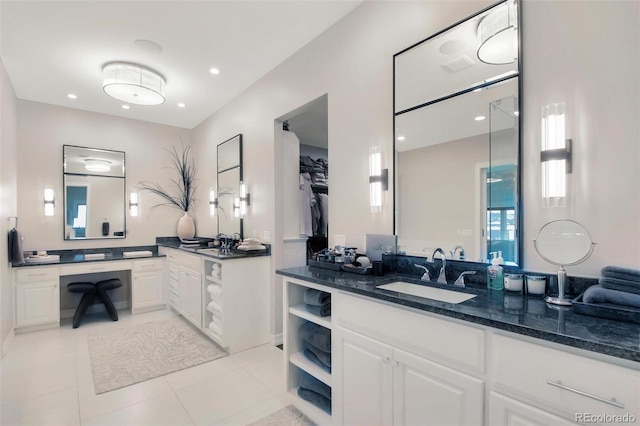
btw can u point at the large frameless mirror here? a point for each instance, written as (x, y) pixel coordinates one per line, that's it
(94, 193)
(229, 177)
(457, 139)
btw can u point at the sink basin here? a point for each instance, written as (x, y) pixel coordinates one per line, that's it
(427, 292)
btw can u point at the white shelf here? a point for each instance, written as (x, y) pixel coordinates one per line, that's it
(215, 280)
(315, 414)
(301, 312)
(299, 360)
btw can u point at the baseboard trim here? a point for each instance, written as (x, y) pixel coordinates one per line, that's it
(277, 339)
(7, 342)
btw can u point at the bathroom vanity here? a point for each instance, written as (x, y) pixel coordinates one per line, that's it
(403, 359)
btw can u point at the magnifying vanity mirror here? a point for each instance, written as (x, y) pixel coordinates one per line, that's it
(94, 193)
(564, 243)
(457, 139)
(229, 178)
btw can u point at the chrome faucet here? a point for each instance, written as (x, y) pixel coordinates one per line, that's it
(460, 281)
(455, 249)
(425, 276)
(442, 277)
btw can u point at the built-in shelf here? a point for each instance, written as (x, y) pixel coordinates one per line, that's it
(300, 311)
(210, 278)
(315, 414)
(299, 360)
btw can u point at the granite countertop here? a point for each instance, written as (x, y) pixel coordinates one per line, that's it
(78, 256)
(529, 316)
(204, 250)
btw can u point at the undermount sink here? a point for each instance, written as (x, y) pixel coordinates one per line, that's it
(427, 292)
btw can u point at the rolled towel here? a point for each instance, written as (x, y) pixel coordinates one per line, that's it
(308, 382)
(321, 311)
(316, 399)
(599, 294)
(323, 357)
(621, 273)
(314, 359)
(620, 285)
(316, 297)
(316, 335)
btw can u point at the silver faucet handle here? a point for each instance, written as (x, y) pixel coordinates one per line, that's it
(460, 281)
(426, 276)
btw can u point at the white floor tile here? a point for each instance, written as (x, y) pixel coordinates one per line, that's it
(257, 354)
(190, 376)
(55, 408)
(254, 413)
(39, 380)
(270, 373)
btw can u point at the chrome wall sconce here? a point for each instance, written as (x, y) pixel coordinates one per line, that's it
(241, 203)
(49, 202)
(134, 208)
(378, 179)
(556, 156)
(213, 202)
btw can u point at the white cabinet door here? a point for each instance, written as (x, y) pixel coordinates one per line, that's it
(191, 296)
(364, 370)
(37, 303)
(427, 393)
(147, 290)
(504, 411)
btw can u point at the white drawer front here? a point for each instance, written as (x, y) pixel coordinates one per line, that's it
(32, 275)
(147, 265)
(91, 267)
(566, 382)
(190, 261)
(457, 345)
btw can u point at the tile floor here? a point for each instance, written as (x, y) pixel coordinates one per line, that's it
(45, 379)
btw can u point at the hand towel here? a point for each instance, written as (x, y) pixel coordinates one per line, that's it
(308, 382)
(620, 285)
(316, 335)
(323, 357)
(621, 273)
(321, 311)
(316, 399)
(16, 257)
(599, 294)
(316, 297)
(314, 359)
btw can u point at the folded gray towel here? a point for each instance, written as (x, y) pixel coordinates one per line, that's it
(621, 273)
(309, 382)
(599, 294)
(323, 357)
(314, 359)
(321, 311)
(316, 297)
(316, 335)
(620, 285)
(316, 399)
(16, 256)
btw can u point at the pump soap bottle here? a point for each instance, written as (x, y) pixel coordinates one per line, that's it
(495, 276)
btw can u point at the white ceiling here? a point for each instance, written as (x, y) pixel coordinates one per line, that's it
(52, 48)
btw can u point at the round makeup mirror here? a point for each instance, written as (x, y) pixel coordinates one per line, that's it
(563, 242)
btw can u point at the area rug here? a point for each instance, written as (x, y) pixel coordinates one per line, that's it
(135, 354)
(288, 416)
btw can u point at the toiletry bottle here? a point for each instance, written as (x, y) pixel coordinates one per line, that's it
(495, 277)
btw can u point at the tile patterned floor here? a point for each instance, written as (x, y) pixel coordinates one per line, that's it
(45, 379)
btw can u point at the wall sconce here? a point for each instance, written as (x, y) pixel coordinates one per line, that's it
(134, 208)
(555, 156)
(240, 203)
(213, 202)
(49, 202)
(378, 179)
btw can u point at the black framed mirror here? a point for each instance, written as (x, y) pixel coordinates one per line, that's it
(94, 193)
(229, 177)
(457, 103)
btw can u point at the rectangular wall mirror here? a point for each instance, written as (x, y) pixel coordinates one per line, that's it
(94, 193)
(229, 178)
(457, 141)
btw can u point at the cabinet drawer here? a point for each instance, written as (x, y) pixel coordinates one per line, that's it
(172, 256)
(147, 265)
(562, 381)
(32, 275)
(90, 267)
(190, 262)
(442, 340)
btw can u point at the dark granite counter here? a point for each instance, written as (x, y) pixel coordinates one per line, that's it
(78, 255)
(204, 250)
(529, 316)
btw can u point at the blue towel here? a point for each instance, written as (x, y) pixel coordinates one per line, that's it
(620, 285)
(316, 335)
(314, 359)
(316, 399)
(599, 294)
(621, 273)
(321, 311)
(308, 382)
(316, 297)
(324, 357)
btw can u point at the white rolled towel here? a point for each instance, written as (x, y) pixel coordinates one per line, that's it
(214, 290)
(214, 308)
(213, 327)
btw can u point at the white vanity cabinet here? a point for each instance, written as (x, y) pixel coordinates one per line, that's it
(37, 295)
(185, 284)
(148, 290)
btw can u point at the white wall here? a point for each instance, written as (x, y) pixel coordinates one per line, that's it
(43, 129)
(8, 197)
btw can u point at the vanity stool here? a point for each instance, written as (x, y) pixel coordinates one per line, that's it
(101, 290)
(88, 291)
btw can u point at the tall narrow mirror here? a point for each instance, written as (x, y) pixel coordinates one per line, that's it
(94, 193)
(229, 178)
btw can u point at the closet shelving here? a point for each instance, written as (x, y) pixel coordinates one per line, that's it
(296, 361)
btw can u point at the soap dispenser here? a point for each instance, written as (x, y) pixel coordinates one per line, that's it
(495, 276)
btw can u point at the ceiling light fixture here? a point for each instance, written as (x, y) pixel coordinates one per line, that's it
(133, 84)
(498, 35)
(480, 118)
(72, 96)
(214, 71)
(97, 165)
(182, 105)
(126, 107)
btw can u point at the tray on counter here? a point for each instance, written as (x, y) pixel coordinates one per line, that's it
(325, 265)
(357, 269)
(605, 310)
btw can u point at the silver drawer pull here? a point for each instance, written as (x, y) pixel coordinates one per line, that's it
(611, 401)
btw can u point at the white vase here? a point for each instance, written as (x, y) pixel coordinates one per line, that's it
(186, 227)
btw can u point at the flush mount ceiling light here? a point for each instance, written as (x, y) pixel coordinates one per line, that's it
(97, 165)
(133, 84)
(498, 35)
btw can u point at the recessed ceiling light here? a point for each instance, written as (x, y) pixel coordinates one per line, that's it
(181, 105)
(214, 71)
(400, 138)
(479, 118)
(516, 113)
(478, 89)
(126, 107)
(72, 96)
